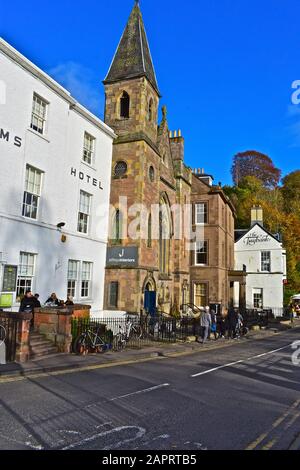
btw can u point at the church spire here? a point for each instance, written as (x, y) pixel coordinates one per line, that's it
(133, 58)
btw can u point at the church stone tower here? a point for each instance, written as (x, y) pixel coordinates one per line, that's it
(147, 169)
(131, 90)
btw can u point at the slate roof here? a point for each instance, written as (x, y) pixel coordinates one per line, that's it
(133, 58)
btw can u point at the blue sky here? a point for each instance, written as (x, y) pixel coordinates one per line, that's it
(224, 67)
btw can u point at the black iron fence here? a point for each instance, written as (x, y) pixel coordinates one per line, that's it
(138, 331)
(263, 317)
(8, 334)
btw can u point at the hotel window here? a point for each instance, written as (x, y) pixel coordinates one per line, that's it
(200, 294)
(73, 269)
(113, 294)
(202, 253)
(258, 298)
(32, 193)
(84, 212)
(201, 214)
(39, 114)
(88, 148)
(25, 273)
(266, 261)
(86, 279)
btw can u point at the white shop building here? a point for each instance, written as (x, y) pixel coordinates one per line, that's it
(261, 255)
(55, 184)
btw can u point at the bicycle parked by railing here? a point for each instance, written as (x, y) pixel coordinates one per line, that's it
(90, 341)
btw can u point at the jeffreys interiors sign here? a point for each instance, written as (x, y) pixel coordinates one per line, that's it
(7, 136)
(87, 178)
(125, 257)
(253, 238)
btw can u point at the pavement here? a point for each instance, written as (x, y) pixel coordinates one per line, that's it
(64, 362)
(242, 395)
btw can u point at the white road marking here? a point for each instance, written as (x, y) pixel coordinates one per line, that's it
(240, 362)
(26, 443)
(139, 434)
(146, 390)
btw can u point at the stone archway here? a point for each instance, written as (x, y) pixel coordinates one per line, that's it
(149, 294)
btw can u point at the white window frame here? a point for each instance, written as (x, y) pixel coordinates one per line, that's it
(264, 261)
(26, 271)
(199, 213)
(88, 154)
(197, 251)
(86, 279)
(73, 277)
(34, 192)
(258, 292)
(39, 113)
(84, 216)
(197, 284)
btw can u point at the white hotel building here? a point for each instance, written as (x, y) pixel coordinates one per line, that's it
(263, 258)
(55, 184)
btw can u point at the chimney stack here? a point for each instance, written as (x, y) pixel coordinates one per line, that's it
(257, 216)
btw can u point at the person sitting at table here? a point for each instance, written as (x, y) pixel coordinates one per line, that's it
(69, 301)
(53, 300)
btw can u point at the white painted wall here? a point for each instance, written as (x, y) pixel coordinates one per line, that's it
(55, 154)
(248, 252)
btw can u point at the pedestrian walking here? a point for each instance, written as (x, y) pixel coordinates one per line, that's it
(205, 323)
(213, 328)
(232, 323)
(221, 323)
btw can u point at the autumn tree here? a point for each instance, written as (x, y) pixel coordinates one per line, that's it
(291, 193)
(259, 165)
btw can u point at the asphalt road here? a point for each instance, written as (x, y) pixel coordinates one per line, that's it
(243, 397)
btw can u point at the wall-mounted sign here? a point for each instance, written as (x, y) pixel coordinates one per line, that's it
(10, 278)
(87, 178)
(7, 137)
(253, 238)
(124, 257)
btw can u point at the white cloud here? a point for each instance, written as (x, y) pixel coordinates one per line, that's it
(80, 82)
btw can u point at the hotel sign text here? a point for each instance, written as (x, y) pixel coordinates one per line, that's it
(7, 137)
(88, 179)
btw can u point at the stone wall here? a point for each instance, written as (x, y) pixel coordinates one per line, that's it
(55, 324)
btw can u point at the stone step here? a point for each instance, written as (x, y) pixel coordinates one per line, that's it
(43, 350)
(43, 355)
(37, 342)
(40, 346)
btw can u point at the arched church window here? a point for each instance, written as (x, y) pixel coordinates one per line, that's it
(124, 105)
(150, 110)
(151, 174)
(149, 241)
(117, 228)
(164, 236)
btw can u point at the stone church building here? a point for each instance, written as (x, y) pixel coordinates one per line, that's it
(151, 268)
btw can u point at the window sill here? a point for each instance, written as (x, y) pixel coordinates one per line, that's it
(42, 136)
(91, 167)
(86, 235)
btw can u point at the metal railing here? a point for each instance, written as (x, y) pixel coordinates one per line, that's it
(139, 331)
(10, 330)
